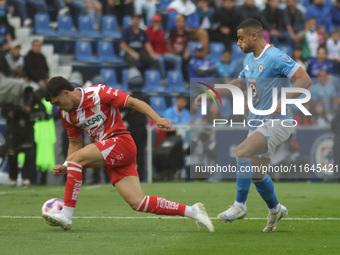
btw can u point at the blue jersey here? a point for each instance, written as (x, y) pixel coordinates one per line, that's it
(271, 69)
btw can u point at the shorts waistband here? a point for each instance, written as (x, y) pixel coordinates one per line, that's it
(115, 134)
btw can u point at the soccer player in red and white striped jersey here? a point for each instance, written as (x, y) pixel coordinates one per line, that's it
(95, 110)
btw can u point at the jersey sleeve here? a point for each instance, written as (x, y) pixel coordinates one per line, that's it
(242, 76)
(113, 96)
(285, 64)
(72, 130)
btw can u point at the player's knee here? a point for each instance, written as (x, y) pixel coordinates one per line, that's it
(242, 152)
(75, 157)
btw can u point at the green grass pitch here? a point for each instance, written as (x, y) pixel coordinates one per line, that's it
(306, 231)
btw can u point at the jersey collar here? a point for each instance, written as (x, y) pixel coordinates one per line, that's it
(265, 48)
(82, 97)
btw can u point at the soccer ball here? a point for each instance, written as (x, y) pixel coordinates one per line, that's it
(52, 205)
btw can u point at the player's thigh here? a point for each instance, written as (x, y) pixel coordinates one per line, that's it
(129, 188)
(89, 156)
(255, 144)
(259, 162)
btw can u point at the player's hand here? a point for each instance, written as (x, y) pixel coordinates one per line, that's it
(164, 124)
(278, 109)
(59, 170)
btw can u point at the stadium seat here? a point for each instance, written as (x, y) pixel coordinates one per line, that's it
(87, 27)
(105, 52)
(126, 21)
(192, 46)
(42, 25)
(125, 79)
(175, 82)
(153, 81)
(110, 27)
(216, 50)
(237, 52)
(286, 49)
(110, 76)
(158, 104)
(84, 52)
(65, 26)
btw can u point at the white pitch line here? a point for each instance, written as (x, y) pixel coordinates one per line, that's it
(166, 217)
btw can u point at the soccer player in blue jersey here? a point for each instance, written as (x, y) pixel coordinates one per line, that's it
(264, 68)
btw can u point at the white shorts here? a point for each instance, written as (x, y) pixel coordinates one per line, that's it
(275, 134)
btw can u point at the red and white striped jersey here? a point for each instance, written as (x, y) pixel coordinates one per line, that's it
(97, 113)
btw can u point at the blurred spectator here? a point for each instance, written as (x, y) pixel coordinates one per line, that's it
(178, 43)
(302, 119)
(294, 20)
(214, 112)
(315, 65)
(297, 56)
(188, 9)
(35, 65)
(321, 13)
(178, 114)
(14, 60)
(226, 67)
(76, 8)
(119, 8)
(335, 14)
(322, 118)
(159, 45)
(195, 114)
(137, 126)
(310, 39)
(145, 6)
(21, 9)
(5, 34)
(249, 10)
(201, 66)
(226, 19)
(205, 14)
(324, 91)
(275, 19)
(95, 10)
(136, 46)
(333, 48)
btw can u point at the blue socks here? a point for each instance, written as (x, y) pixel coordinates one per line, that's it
(265, 187)
(243, 179)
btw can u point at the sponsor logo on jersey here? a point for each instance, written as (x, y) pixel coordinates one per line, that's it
(91, 121)
(286, 58)
(253, 90)
(247, 67)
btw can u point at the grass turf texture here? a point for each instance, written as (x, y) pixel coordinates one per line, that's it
(171, 236)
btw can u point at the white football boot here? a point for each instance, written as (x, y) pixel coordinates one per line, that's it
(58, 219)
(233, 213)
(273, 219)
(202, 217)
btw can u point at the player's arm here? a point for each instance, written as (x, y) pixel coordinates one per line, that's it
(222, 91)
(144, 108)
(301, 80)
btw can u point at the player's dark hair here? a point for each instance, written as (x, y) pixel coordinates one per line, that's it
(251, 25)
(322, 47)
(55, 86)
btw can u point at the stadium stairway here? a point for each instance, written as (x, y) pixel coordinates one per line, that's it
(25, 38)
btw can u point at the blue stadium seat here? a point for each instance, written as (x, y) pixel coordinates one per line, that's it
(110, 27)
(158, 104)
(42, 25)
(84, 52)
(65, 26)
(286, 49)
(175, 82)
(163, 4)
(237, 52)
(153, 81)
(192, 46)
(125, 79)
(126, 21)
(110, 76)
(105, 52)
(216, 50)
(86, 27)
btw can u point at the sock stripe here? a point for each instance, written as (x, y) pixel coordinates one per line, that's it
(141, 203)
(147, 204)
(74, 169)
(74, 163)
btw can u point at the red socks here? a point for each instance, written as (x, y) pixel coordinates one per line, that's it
(160, 206)
(73, 183)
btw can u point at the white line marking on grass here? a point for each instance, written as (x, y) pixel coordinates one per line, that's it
(93, 187)
(160, 217)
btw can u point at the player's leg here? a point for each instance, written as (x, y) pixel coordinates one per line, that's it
(255, 144)
(89, 156)
(130, 189)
